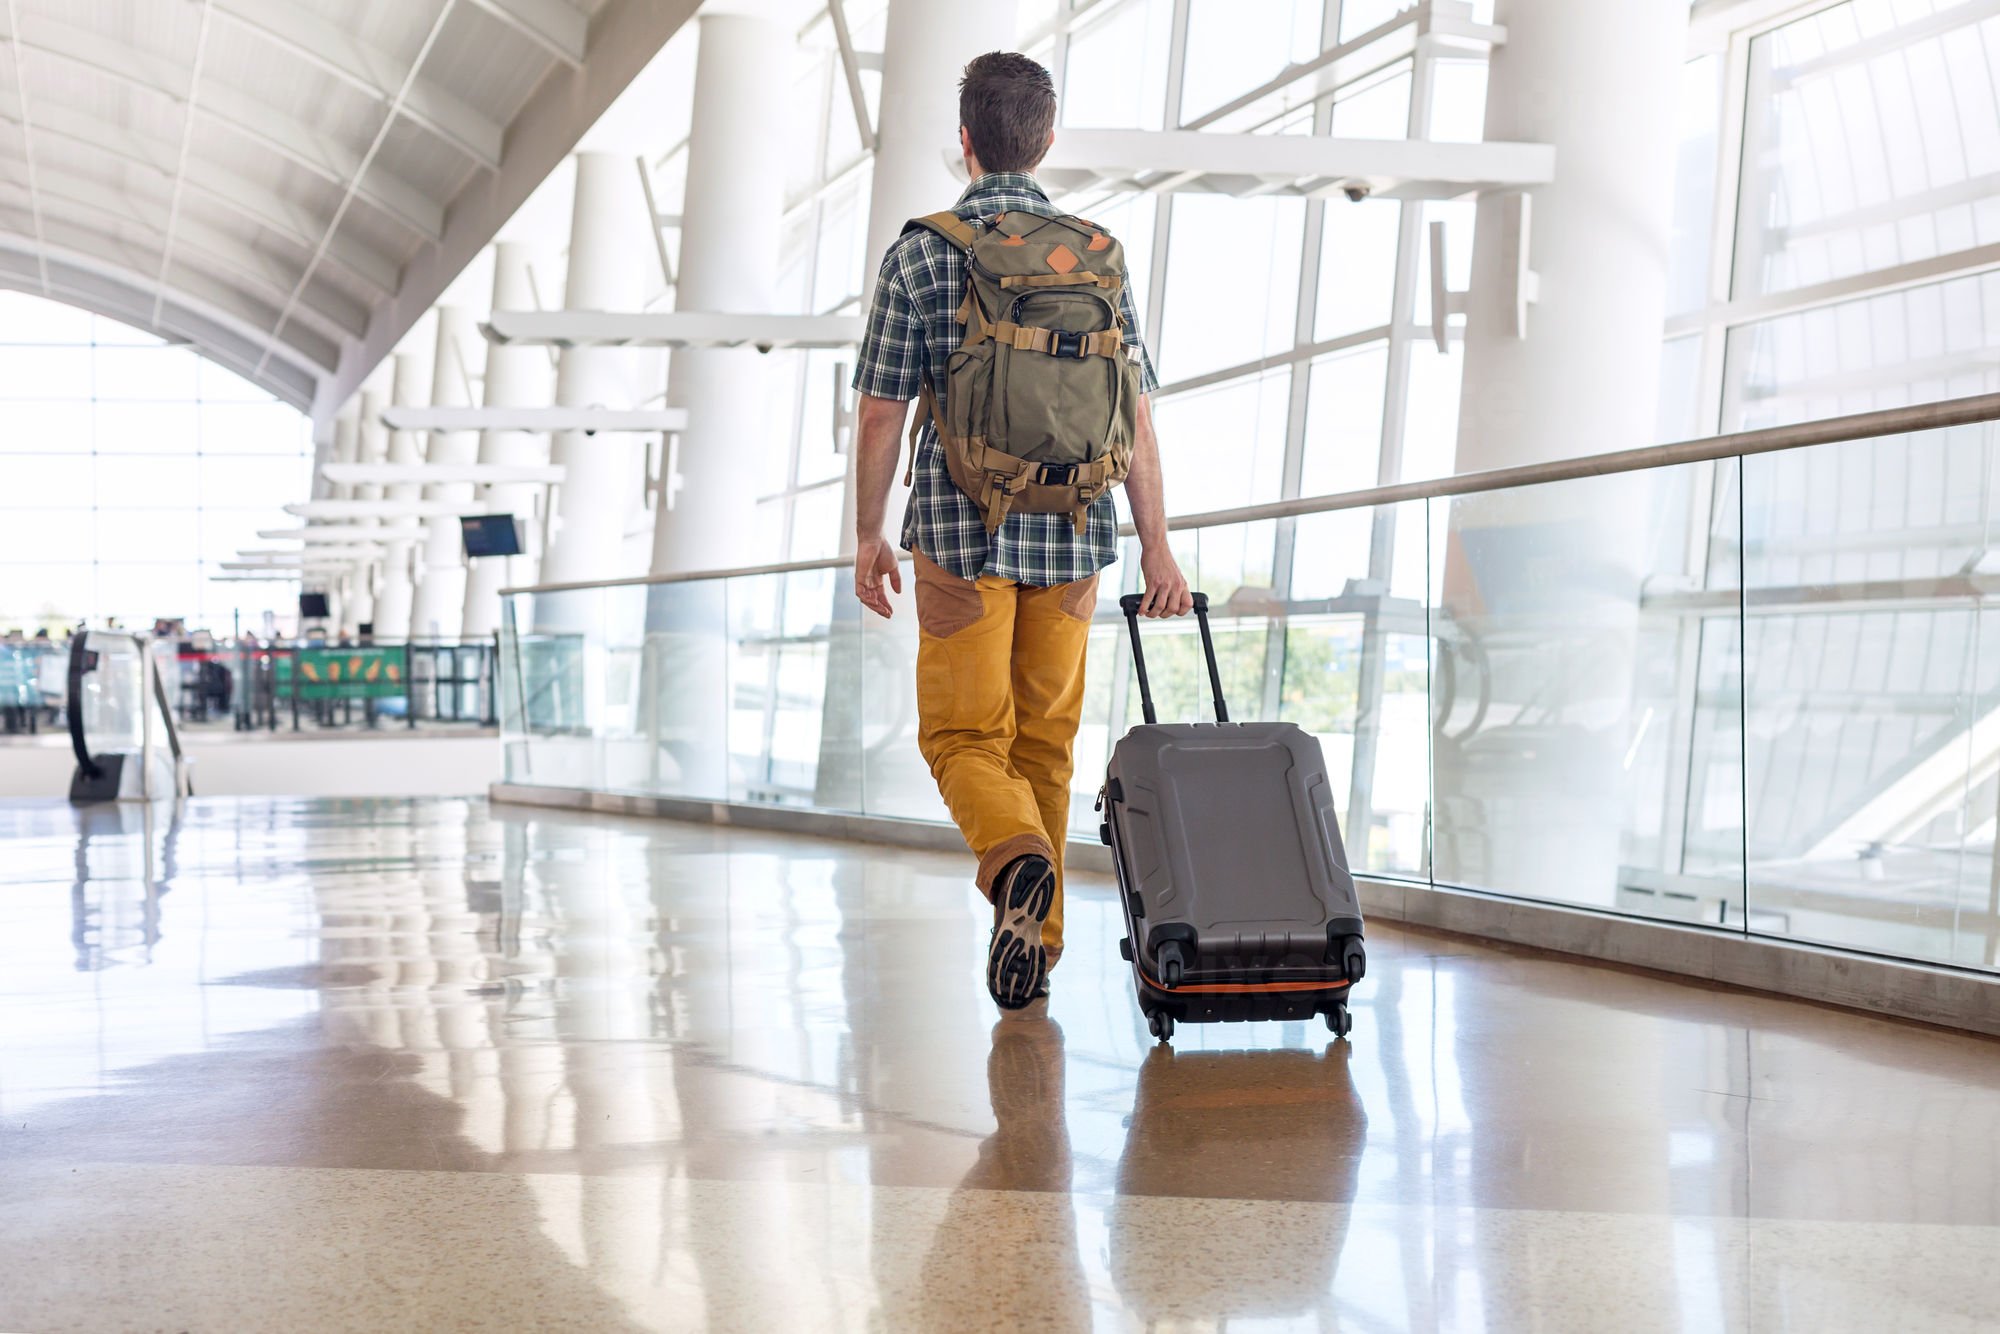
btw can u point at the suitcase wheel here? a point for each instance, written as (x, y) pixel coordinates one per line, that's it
(1125, 948)
(1353, 958)
(1162, 1025)
(1172, 967)
(1340, 1021)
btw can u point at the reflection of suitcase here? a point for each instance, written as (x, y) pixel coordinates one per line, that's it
(1238, 903)
(1236, 1125)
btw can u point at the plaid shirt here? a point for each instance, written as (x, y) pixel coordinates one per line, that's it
(911, 333)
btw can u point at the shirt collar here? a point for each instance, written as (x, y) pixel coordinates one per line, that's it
(1002, 182)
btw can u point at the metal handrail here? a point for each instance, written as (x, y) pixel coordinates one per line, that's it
(1949, 412)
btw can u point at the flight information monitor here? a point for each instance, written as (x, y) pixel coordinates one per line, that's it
(313, 607)
(490, 535)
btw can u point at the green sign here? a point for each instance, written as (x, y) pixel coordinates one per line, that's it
(342, 673)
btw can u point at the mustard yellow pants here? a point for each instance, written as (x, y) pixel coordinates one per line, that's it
(999, 693)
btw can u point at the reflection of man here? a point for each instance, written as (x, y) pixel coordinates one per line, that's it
(1011, 1260)
(1247, 1127)
(1003, 617)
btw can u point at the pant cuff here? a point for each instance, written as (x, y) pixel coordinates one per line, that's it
(1006, 850)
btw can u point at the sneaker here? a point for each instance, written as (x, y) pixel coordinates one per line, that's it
(1017, 965)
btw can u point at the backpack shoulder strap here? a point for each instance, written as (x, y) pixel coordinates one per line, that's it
(947, 224)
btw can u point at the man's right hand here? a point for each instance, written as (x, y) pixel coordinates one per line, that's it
(874, 561)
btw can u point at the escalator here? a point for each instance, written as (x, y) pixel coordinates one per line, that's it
(120, 724)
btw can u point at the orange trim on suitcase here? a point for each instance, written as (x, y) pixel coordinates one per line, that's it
(1212, 987)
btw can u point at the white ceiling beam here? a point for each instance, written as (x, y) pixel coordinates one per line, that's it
(180, 168)
(313, 533)
(670, 328)
(219, 187)
(332, 231)
(384, 509)
(332, 49)
(1201, 162)
(133, 263)
(117, 291)
(242, 114)
(588, 420)
(625, 35)
(27, 130)
(428, 474)
(550, 24)
(218, 253)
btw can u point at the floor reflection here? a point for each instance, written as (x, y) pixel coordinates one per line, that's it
(706, 1077)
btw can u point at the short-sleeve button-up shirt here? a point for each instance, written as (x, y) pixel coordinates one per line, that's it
(912, 330)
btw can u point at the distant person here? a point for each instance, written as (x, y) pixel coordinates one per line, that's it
(1006, 571)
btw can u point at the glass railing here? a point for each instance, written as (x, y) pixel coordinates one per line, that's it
(1749, 683)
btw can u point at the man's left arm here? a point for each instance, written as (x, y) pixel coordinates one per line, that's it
(1145, 489)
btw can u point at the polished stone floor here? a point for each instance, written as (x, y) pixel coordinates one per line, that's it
(272, 1064)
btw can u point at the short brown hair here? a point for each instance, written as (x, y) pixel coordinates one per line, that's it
(1007, 104)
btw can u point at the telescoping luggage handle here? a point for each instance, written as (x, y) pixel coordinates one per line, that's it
(1129, 604)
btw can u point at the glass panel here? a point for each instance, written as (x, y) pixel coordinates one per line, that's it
(1343, 445)
(1116, 75)
(30, 426)
(1872, 693)
(1915, 345)
(29, 320)
(1232, 282)
(1376, 111)
(160, 374)
(1234, 45)
(1458, 101)
(1568, 638)
(1680, 389)
(778, 671)
(43, 372)
(1357, 266)
(1430, 420)
(1871, 139)
(1694, 185)
(894, 778)
(1355, 670)
(1224, 445)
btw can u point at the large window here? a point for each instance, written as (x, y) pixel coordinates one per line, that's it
(129, 469)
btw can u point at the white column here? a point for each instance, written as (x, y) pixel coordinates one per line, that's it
(1600, 82)
(609, 251)
(925, 47)
(440, 600)
(1548, 577)
(398, 593)
(346, 447)
(516, 377)
(735, 202)
(371, 446)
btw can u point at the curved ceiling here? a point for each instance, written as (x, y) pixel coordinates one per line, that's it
(269, 179)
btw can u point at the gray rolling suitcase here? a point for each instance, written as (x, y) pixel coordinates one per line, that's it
(1237, 898)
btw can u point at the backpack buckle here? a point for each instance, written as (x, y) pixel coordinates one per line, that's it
(1064, 344)
(1056, 474)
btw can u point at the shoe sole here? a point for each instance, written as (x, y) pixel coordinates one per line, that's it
(1017, 963)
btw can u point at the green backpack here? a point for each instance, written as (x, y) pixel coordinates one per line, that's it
(1040, 400)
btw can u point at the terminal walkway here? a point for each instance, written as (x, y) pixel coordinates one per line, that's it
(321, 1064)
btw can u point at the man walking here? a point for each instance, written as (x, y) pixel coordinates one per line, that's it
(1005, 581)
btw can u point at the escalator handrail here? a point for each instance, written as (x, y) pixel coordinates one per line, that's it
(73, 707)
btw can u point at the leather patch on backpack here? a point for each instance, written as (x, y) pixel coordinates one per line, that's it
(1062, 259)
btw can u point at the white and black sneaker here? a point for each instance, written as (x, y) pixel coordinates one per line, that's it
(1017, 964)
